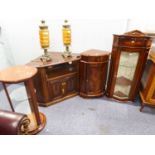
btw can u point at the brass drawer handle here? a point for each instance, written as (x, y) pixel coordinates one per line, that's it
(64, 83)
(132, 41)
(63, 90)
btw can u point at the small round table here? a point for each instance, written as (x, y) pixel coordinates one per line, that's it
(23, 73)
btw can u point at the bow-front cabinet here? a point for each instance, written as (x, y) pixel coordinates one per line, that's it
(128, 58)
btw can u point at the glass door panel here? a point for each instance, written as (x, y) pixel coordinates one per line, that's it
(126, 70)
(146, 74)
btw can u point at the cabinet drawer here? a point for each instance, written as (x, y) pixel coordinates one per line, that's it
(132, 42)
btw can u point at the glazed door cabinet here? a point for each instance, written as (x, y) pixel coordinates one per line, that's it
(147, 90)
(128, 59)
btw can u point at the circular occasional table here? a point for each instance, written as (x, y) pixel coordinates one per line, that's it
(25, 74)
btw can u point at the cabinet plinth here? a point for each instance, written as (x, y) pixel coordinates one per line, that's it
(93, 73)
(56, 80)
(129, 55)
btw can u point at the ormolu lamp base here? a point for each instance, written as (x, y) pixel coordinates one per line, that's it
(46, 57)
(67, 53)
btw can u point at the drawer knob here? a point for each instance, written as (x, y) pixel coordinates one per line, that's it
(64, 83)
(132, 41)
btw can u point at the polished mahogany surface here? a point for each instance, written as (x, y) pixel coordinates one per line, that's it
(17, 73)
(93, 73)
(57, 58)
(94, 55)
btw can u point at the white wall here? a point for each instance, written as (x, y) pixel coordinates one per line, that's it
(145, 25)
(23, 35)
(6, 56)
(86, 34)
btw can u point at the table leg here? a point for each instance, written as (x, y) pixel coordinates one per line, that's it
(8, 97)
(32, 99)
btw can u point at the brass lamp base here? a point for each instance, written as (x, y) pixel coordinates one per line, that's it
(67, 53)
(46, 57)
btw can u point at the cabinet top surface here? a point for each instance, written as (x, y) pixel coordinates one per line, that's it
(134, 33)
(57, 58)
(94, 52)
(17, 74)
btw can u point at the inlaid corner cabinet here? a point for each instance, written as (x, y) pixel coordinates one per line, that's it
(128, 58)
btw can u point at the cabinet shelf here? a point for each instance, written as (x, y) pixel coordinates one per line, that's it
(61, 71)
(123, 81)
(60, 75)
(120, 94)
(127, 66)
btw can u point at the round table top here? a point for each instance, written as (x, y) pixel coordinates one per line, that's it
(17, 74)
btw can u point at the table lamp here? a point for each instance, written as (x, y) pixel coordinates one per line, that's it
(44, 41)
(66, 31)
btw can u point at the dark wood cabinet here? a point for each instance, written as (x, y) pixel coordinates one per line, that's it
(93, 73)
(56, 80)
(61, 87)
(147, 90)
(129, 55)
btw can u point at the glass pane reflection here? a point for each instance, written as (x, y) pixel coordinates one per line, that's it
(125, 74)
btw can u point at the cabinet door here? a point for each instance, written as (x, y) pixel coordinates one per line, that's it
(70, 85)
(125, 74)
(55, 89)
(83, 76)
(96, 78)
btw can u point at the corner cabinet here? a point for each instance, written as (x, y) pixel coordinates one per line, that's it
(56, 80)
(147, 90)
(129, 55)
(93, 73)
